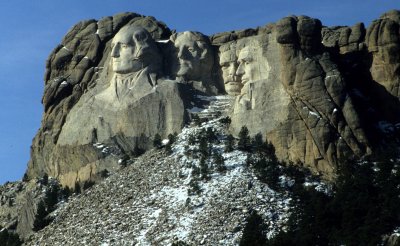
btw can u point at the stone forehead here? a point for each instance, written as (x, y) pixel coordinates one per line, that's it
(228, 56)
(188, 36)
(228, 47)
(246, 52)
(256, 43)
(127, 34)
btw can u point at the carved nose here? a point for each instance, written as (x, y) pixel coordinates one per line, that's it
(232, 69)
(180, 53)
(240, 71)
(183, 53)
(115, 51)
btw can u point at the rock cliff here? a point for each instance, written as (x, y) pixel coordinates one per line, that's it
(317, 93)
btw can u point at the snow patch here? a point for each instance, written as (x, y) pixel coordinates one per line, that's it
(331, 76)
(165, 141)
(314, 114)
(195, 110)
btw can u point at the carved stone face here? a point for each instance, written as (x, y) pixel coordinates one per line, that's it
(189, 54)
(249, 67)
(194, 56)
(133, 49)
(229, 66)
(123, 53)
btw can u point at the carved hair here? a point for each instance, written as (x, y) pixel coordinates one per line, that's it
(201, 40)
(231, 46)
(255, 43)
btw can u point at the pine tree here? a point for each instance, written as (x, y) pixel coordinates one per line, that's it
(196, 120)
(66, 192)
(77, 189)
(45, 179)
(137, 151)
(179, 243)
(87, 184)
(267, 171)
(104, 173)
(203, 147)
(51, 197)
(244, 139)
(253, 233)
(269, 150)
(204, 170)
(219, 162)
(40, 219)
(171, 138)
(249, 160)
(194, 187)
(272, 173)
(230, 143)
(210, 135)
(187, 151)
(168, 149)
(157, 141)
(191, 139)
(257, 143)
(9, 238)
(195, 172)
(226, 120)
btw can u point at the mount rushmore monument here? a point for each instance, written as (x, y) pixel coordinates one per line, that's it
(317, 93)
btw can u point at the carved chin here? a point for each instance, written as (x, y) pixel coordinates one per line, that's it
(233, 88)
(184, 70)
(134, 67)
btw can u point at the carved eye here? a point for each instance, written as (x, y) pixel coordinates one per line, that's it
(191, 49)
(124, 46)
(247, 62)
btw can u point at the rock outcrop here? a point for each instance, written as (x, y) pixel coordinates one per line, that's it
(106, 96)
(19, 203)
(311, 90)
(317, 93)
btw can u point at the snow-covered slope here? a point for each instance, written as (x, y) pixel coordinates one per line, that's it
(149, 203)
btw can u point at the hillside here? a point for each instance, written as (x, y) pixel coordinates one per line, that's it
(284, 134)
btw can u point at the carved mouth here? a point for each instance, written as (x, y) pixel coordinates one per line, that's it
(232, 83)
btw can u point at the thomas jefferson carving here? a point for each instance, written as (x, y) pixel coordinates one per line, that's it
(194, 57)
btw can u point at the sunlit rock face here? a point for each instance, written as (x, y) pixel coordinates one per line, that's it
(384, 45)
(229, 65)
(193, 60)
(317, 93)
(120, 104)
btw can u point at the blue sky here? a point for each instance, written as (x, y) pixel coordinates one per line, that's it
(31, 29)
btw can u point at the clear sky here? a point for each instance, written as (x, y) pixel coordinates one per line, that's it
(31, 29)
